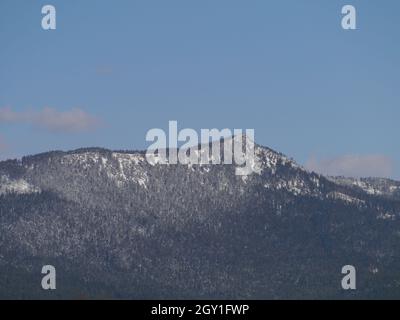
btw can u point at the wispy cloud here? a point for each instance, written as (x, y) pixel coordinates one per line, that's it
(74, 120)
(351, 165)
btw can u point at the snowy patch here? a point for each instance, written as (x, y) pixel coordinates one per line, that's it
(122, 168)
(19, 186)
(129, 169)
(344, 197)
(386, 216)
(367, 187)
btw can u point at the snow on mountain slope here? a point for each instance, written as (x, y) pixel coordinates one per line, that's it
(18, 186)
(270, 169)
(372, 186)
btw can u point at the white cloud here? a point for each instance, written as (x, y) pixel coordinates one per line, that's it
(74, 120)
(351, 165)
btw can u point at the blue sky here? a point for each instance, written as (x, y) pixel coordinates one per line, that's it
(310, 89)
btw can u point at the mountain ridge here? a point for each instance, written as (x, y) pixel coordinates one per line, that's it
(367, 184)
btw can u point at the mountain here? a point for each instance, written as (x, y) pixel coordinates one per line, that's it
(375, 186)
(115, 226)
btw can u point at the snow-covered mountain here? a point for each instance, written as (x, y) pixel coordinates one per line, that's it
(374, 186)
(116, 226)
